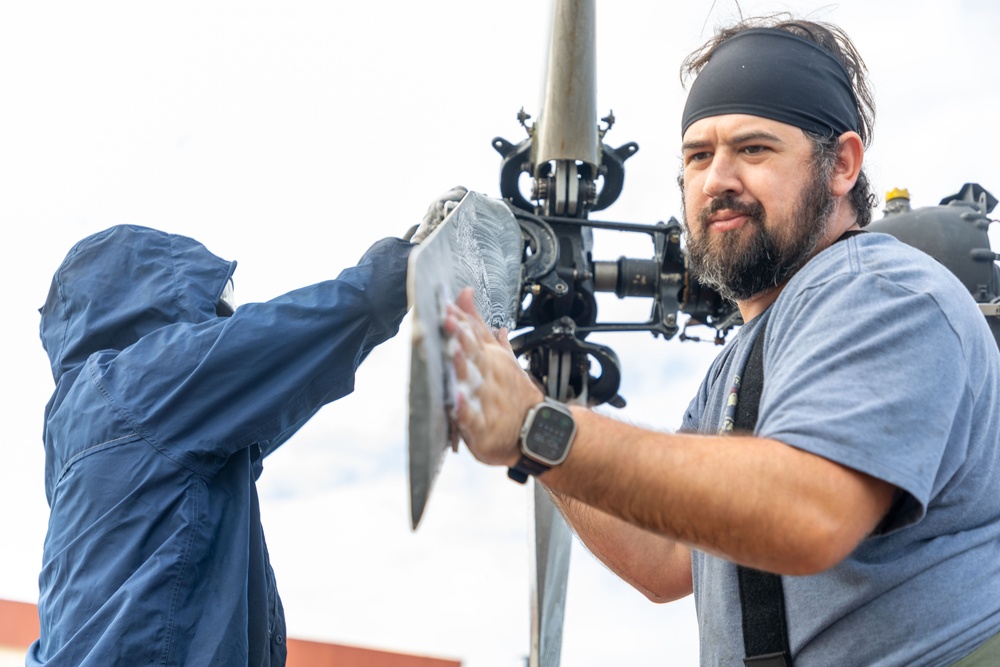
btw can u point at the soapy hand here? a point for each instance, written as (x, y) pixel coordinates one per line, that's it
(494, 393)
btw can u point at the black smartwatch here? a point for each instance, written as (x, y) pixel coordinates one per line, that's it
(546, 436)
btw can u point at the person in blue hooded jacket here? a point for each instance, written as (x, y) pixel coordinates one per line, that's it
(167, 400)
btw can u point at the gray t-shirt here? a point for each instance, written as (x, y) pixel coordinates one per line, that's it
(877, 358)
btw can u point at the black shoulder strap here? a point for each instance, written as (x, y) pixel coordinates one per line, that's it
(762, 599)
(751, 386)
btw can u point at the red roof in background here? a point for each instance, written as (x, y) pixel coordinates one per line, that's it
(18, 624)
(19, 627)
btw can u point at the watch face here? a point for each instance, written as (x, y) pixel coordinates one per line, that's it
(549, 436)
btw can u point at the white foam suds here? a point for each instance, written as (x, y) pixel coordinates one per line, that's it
(466, 389)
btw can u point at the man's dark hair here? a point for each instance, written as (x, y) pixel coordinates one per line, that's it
(836, 41)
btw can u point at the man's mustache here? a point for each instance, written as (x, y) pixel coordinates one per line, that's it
(753, 210)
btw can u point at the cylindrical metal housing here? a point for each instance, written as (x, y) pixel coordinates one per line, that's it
(567, 124)
(627, 277)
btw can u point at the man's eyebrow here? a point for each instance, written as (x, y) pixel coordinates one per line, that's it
(694, 145)
(756, 135)
(747, 137)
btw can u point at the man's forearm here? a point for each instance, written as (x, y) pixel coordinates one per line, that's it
(750, 500)
(657, 567)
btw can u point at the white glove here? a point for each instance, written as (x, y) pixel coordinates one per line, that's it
(439, 209)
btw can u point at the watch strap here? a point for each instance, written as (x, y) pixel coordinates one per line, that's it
(524, 467)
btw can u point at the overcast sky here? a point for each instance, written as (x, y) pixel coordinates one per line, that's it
(289, 136)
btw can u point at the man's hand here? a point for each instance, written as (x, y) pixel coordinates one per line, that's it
(438, 210)
(495, 393)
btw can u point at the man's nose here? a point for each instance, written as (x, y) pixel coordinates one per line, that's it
(723, 178)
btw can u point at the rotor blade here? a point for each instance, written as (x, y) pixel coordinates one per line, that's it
(478, 245)
(550, 568)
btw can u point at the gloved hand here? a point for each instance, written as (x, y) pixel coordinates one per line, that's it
(436, 213)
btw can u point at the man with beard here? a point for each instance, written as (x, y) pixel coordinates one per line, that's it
(865, 472)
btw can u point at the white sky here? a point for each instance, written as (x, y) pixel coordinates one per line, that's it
(289, 136)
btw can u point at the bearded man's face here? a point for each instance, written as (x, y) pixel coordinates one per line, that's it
(756, 204)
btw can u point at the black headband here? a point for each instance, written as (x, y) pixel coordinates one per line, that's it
(778, 75)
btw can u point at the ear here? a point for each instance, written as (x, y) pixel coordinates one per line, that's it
(849, 158)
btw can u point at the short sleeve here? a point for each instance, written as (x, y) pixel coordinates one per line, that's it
(840, 381)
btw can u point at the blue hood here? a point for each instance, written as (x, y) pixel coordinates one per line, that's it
(116, 286)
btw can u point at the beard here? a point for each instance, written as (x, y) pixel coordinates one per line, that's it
(745, 262)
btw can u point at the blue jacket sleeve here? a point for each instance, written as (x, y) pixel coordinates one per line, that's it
(201, 392)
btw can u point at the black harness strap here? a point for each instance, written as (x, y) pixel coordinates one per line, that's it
(762, 599)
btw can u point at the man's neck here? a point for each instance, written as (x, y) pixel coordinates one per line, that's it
(758, 303)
